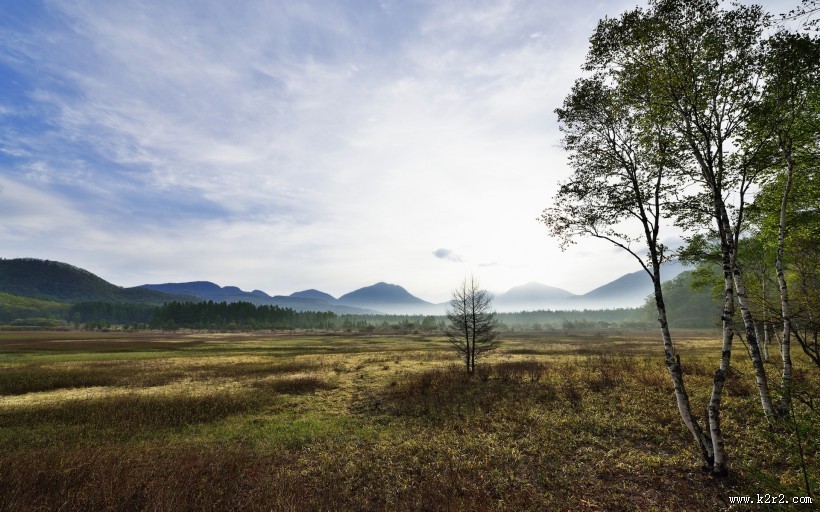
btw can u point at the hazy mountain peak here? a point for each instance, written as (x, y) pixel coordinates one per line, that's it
(383, 293)
(314, 294)
(537, 289)
(531, 296)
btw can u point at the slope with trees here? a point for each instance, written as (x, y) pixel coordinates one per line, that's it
(56, 281)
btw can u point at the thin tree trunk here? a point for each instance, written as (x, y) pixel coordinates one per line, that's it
(720, 466)
(467, 335)
(673, 366)
(473, 322)
(763, 340)
(754, 346)
(785, 345)
(763, 354)
(729, 245)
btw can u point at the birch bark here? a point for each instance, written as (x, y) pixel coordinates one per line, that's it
(785, 313)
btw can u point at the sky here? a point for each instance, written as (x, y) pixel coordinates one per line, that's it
(287, 145)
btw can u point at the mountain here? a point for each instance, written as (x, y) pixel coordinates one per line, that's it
(378, 298)
(206, 290)
(314, 294)
(201, 289)
(629, 290)
(529, 296)
(390, 299)
(56, 281)
(309, 304)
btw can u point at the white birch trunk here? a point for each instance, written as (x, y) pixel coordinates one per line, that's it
(763, 355)
(754, 345)
(720, 466)
(785, 313)
(736, 276)
(673, 366)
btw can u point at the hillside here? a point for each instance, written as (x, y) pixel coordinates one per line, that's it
(55, 281)
(685, 306)
(13, 307)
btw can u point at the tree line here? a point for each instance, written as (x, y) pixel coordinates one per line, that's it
(237, 315)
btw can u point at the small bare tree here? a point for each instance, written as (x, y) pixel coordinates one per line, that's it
(473, 326)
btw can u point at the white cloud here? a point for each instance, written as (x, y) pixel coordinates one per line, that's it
(314, 147)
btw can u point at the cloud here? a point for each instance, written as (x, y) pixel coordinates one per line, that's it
(446, 254)
(313, 144)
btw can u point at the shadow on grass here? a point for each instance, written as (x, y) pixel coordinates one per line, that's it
(33, 378)
(132, 413)
(295, 386)
(18, 380)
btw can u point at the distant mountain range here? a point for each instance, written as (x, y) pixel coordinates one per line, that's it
(308, 300)
(378, 298)
(55, 281)
(629, 290)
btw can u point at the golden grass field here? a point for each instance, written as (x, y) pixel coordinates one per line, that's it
(321, 421)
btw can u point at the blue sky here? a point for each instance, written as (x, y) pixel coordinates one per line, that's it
(290, 145)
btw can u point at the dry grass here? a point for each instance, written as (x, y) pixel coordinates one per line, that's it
(273, 422)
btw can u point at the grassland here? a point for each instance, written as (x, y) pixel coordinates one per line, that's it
(147, 421)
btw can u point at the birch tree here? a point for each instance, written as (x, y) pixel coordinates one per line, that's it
(789, 119)
(703, 65)
(711, 76)
(472, 330)
(625, 169)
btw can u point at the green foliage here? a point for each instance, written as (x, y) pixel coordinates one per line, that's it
(687, 304)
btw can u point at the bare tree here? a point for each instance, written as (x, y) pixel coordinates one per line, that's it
(473, 326)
